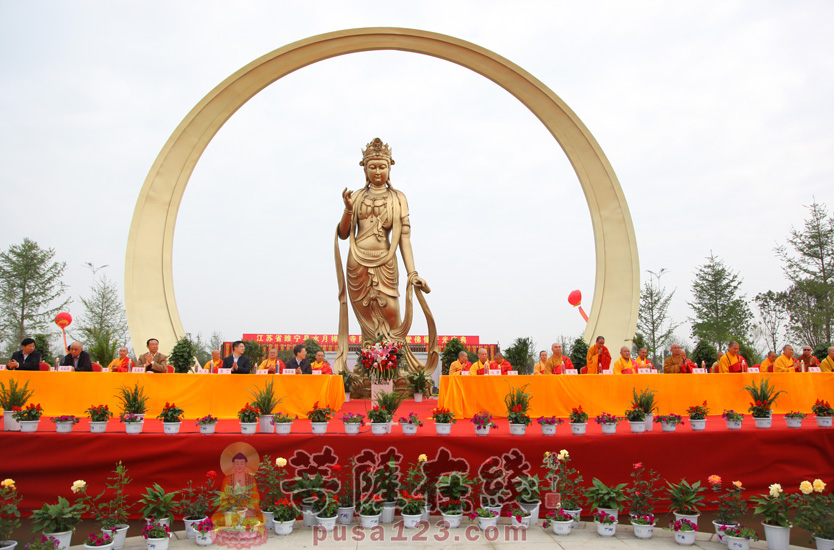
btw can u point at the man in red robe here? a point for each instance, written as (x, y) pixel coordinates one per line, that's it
(599, 358)
(500, 363)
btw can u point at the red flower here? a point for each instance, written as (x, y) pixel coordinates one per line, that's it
(211, 474)
(638, 465)
(336, 468)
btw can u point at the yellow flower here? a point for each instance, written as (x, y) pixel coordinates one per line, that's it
(819, 485)
(546, 454)
(806, 487)
(422, 458)
(775, 490)
(563, 454)
(8, 483)
(280, 462)
(737, 484)
(78, 486)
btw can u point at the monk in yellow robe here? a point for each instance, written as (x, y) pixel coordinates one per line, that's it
(462, 364)
(599, 358)
(122, 363)
(272, 364)
(674, 364)
(624, 365)
(786, 361)
(482, 365)
(827, 364)
(538, 368)
(214, 363)
(768, 362)
(731, 361)
(321, 364)
(557, 363)
(642, 359)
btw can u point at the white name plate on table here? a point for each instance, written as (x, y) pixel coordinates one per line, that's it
(571, 371)
(814, 369)
(137, 370)
(753, 369)
(608, 371)
(512, 373)
(65, 368)
(495, 372)
(317, 371)
(699, 371)
(2, 367)
(262, 371)
(464, 372)
(224, 371)
(645, 371)
(202, 371)
(288, 371)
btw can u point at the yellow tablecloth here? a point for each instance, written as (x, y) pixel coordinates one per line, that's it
(558, 394)
(221, 395)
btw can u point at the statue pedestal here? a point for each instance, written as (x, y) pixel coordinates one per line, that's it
(387, 387)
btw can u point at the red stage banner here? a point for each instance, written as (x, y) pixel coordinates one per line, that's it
(333, 339)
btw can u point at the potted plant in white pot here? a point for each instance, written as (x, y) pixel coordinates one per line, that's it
(133, 422)
(44, 543)
(99, 416)
(171, 417)
(264, 399)
(559, 521)
(483, 423)
(284, 513)
(642, 496)
(517, 403)
(738, 538)
(28, 417)
(774, 507)
(204, 532)
(733, 419)
(578, 421)
(410, 423)
(133, 400)
(669, 422)
(645, 402)
(815, 512)
(794, 419)
(606, 524)
(485, 517)
(283, 423)
(156, 534)
(730, 503)
(248, 417)
(420, 384)
(685, 499)
(348, 380)
(112, 513)
(608, 422)
(353, 422)
(64, 423)
(607, 499)
(698, 417)
(58, 520)
(411, 508)
(529, 495)
(548, 424)
(685, 532)
(519, 517)
(99, 541)
(194, 502)
(453, 488)
(158, 504)
(823, 412)
(319, 417)
(369, 509)
(14, 396)
(443, 420)
(763, 397)
(326, 510)
(566, 481)
(379, 418)
(207, 424)
(9, 513)
(270, 477)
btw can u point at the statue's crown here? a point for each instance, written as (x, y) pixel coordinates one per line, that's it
(376, 150)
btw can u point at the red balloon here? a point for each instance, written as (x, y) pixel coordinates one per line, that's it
(63, 319)
(575, 298)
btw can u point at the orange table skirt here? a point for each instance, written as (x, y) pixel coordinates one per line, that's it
(556, 395)
(221, 395)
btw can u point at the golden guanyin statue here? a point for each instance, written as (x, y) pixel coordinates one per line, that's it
(376, 222)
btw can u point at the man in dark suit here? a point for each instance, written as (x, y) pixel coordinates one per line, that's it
(238, 362)
(299, 363)
(26, 358)
(77, 358)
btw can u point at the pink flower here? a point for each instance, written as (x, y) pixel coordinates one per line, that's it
(714, 480)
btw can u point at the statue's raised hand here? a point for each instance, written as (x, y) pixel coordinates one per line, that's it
(347, 196)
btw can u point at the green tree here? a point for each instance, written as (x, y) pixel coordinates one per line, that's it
(182, 355)
(450, 353)
(312, 347)
(808, 263)
(705, 353)
(653, 321)
(104, 315)
(255, 352)
(772, 313)
(102, 345)
(521, 355)
(821, 351)
(721, 311)
(42, 344)
(31, 290)
(202, 351)
(749, 354)
(579, 353)
(215, 342)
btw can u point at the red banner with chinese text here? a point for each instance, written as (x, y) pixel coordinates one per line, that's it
(330, 342)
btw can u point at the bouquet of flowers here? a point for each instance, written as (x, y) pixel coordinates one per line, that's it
(171, 413)
(443, 416)
(319, 414)
(578, 416)
(30, 413)
(483, 420)
(380, 361)
(698, 412)
(248, 414)
(100, 413)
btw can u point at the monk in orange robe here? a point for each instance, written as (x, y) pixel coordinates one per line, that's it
(786, 361)
(500, 363)
(674, 364)
(827, 364)
(768, 362)
(599, 358)
(461, 364)
(624, 365)
(321, 364)
(539, 368)
(807, 360)
(215, 363)
(557, 363)
(481, 366)
(272, 364)
(731, 361)
(642, 359)
(122, 363)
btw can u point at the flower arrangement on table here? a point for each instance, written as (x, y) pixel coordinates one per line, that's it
(698, 412)
(411, 504)
(412, 420)
(9, 512)
(128, 418)
(645, 519)
(578, 416)
(194, 502)
(442, 415)
(815, 510)
(207, 420)
(642, 491)
(604, 518)
(672, 418)
(795, 414)
(154, 529)
(270, 477)
(353, 418)
(99, 413)
(763, 395)
(282, 418)
(44, 543)
(98, 539)
(205, 526)
(483, 420)
(549, 421)
(171, 413)
(774, 506)
(822, 408)
(635, 414)
(685, 497)
(249, 414)
(740, 532)
(684, 525)
(29, 413)
(378, 415)
(321, 414)
(563, 479)
(729, 500)
(517, 402)
(732, 416)
(67, 418)
(381, 361)
(606, 418)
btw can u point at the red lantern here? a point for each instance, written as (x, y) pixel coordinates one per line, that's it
(575, 299)
(63, 320)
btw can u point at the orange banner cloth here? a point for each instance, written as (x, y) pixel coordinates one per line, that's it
(556, 395)
(221, 395)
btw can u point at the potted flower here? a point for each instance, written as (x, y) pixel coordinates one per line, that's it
(100, 541)
(194, 502)
(157, 504)
(645, 402)
(379, 420)
(560, 521)
(443, 420)
(28, 417)
(326, 510)
(815, 512)
(636, 419)
(420, 384)
(794, 419)
(641, 494)
(454, 488)
(319, 417)
(733, 419)
(353, 422)
(303, 488)
(64, 423)
(566, 481)
(390, 401)
(774, 507)
(606, 524)
(485, 518)
(764, 396)
(730, 503)
(685, 532)
(156, 535)
(133, 400)
(578, 421)
(483, 422)
(669, 422)
(283, 423)
(519, 517)
(824, 413)
(643, 525)
(348, 381)
(685, 499)
(270, 480)
(264, 400)
(606, 499)
(171, 417)
(387, 479)
(369, 509)
(12, 398)
(204, 532)
(133, 422)
(698, 417)
(9, 513)
(58, 520)
(207, 424)
(344, 478)
(529, 494)
(738, 537)
(248, 417)
(608, 422)
(99, 415)
(44, 543)
(411, 508)
(284, 513)
(548, 424)
(112, 513)
(517, 403)
(410, 423)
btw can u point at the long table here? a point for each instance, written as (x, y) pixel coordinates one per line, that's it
(558, 394)
(221, 395)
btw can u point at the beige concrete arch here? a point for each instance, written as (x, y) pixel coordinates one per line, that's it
(149, 282)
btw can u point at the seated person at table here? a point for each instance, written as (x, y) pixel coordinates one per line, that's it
(461, 364)
(238, 362)
(786, 361)
(642, 359)
(599, 358)
(539, 367)
(500, 363)
(26, 358)
(299, 362)
(731, 361)
(674, 364)
(321, 364)
(153, 361)
(624, 365)
(216, 362)
(272, 364)
(482, 365)
(687, 364)
(827, 364)
(768, 362)
(807, 360)
(77, 358)
(122, 363)
(557, 363)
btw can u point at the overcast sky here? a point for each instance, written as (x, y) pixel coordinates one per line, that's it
(716, 117)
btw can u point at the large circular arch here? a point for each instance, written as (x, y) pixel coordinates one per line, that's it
(149, 283)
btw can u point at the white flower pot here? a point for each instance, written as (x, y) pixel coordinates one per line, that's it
(347, 397)
(643, 531)
(698, 425)
(282, 528)
(577, 428)
(533, 508)
(576, 515)
(63, 538)
(720, 528)
(824, 544)
(485, 523)
(763, 423)
(693, 518)
(171, 428)
(190, 533)
(248, 428)
(518, 429)
(118, 534)
(637, 427)
(452, 520)
(388, 427)
(668, 426)
(613, 512)
(265, 421)
(793, 422)
(609, 428)
(740, 543)
(29, 426)
(388, 511)
(208, 429)
(8, 544)
(283, 428)
(561, 527)
(327, 523)
(134, 427)
(524, 523)
(649, 422)
(319, 428)
(379, 428)
(98, 428)
(409, 429)
(369, 522)
(345, 515)
(734, 424)
(418, 397)
(824, 421)
(269, 520)
(778, 538)
(443, 428)
(63, 427)
(548, 429)
(412, 521)
(158, 544)
(482, 431)
(309, 518)
(204, 539)
(352, 428)
(685, 538)
(101, 547)
(605, 530)
(9, 423)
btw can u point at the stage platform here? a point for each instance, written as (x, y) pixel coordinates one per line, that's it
(45, 464)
